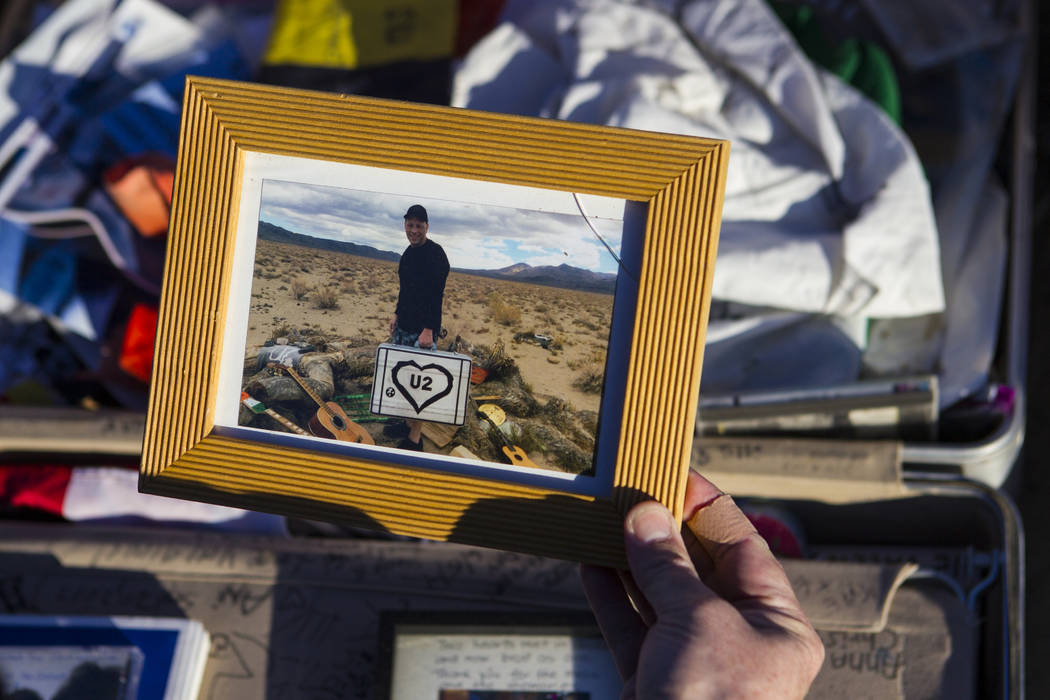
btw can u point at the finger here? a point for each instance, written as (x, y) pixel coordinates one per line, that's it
(718, 525)
(660, 565)
(699, 492)
(636, 598)
(623, 630)
(744, 571)
(705, 567)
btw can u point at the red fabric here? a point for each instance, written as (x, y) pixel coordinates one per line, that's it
(778, 533)
(136, 356)
(476, 19)
(37, 486)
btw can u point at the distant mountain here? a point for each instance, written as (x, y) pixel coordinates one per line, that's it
(272, 232)
(563, 276)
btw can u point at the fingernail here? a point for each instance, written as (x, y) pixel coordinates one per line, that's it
(650, 522)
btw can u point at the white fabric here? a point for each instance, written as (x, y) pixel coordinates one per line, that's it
(959, 344)
(826, 208)
(79, 31)
(975, 301)
(111, 493)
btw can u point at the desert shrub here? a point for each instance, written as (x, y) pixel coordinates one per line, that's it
(495, 360)
(590, 379)
(300, 289)
(588, 324)
(588, 421)
(359, 341)
(558, 413)
(282, 331)
(502, 312)
(525, 437)
(361, 366)
(593, 358)
(326, 299)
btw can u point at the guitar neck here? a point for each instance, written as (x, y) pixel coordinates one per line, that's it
(285, 422)
(506, 440)
(305, 387)
(257, 407)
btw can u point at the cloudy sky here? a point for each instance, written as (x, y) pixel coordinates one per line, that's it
(479, 237)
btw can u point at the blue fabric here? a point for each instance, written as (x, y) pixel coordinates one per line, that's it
(49, 279)
(148, 121)
(12, 248)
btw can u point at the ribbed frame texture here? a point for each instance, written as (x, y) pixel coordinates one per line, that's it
(681, 178)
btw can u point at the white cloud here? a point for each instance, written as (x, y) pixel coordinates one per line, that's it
(474, 236)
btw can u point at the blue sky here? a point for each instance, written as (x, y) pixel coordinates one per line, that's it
(479, 237)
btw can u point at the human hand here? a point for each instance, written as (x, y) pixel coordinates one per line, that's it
(393, 324)
(426, 338)
(715, 619)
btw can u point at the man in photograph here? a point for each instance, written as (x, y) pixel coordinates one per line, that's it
(421, 274)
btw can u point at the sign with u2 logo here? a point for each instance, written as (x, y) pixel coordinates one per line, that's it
(428, 385)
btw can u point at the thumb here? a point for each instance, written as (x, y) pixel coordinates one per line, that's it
(659, 563)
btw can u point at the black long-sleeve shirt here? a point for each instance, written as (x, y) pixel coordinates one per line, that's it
(422, 273)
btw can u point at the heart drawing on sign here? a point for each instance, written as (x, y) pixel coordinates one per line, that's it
(418, 388)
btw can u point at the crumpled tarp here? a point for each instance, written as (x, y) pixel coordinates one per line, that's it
(830, 264)
(826, 209)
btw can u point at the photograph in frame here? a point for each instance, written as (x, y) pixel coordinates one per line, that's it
(525, 296)
(228, 423)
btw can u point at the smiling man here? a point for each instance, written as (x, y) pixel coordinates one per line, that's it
(417, 319)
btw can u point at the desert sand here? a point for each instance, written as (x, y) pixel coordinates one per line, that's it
(290, 283)
(334, 300)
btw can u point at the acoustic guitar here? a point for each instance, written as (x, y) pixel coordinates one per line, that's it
(331, 420)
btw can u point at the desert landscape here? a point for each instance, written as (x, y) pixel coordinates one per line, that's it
(543, 349)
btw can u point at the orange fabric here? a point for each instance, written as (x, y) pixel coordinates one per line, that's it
(141, 188)
(136, 356)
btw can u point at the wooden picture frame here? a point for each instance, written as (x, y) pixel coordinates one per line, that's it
(237, 136)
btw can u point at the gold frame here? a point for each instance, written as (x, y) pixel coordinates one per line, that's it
(681, 179)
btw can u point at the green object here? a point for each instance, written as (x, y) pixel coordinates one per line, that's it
(358, 407)
(862, 64)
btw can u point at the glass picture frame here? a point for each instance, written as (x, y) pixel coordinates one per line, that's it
(634, 215)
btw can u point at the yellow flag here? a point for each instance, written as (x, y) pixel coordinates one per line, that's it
(361, 33)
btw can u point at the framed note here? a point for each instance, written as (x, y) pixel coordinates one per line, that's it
(560, 273)
(494, 656)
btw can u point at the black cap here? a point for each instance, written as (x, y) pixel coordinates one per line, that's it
(417, 212)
